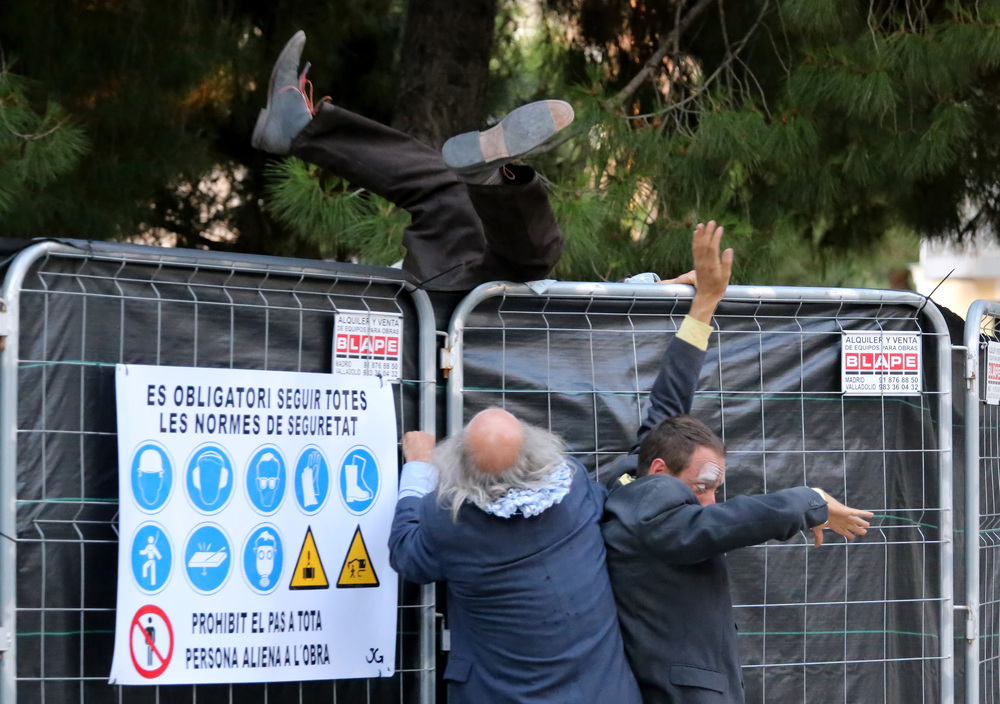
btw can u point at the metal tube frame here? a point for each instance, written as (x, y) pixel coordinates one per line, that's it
(973, 323)
(9, 358)
(777, 294)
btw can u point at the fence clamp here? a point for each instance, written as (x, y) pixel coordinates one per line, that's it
(5, 324)
(446, 360)
(6, 639)
(971, 367)
(971, 621)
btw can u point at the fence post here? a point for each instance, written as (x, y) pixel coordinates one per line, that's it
(10, 294)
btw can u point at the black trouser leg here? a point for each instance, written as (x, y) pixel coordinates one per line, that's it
(446, 246)
(445, 238)
(523, 240)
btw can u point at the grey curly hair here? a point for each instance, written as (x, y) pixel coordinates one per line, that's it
(460, 479)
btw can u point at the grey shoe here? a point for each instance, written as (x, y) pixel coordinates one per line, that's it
(287, 110)
(519, 133)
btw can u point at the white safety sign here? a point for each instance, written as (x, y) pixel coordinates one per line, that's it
(246, 497)
(993, 373)
(875, 363)
(368, 344)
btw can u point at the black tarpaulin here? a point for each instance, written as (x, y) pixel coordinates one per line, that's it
(82, 312)
(856, 622)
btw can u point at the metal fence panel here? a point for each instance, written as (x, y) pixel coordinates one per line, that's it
(71, 312)
(982, 507)
(864, 621)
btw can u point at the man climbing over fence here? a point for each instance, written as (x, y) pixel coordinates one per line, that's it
(477, 213)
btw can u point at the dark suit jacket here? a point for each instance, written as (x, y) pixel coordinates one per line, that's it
(530, 606)
(666, 559)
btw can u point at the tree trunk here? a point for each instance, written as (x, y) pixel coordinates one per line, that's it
(444, 64)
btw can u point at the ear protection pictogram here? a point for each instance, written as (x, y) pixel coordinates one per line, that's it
(223, 474)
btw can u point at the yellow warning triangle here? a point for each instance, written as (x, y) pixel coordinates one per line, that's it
(358, 570)
(309, 572)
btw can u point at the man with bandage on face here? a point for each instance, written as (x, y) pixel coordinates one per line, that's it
(667, 537)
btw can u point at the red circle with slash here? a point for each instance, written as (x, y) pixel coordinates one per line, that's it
(150, 641)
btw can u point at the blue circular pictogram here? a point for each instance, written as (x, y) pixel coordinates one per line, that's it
(263, 558)
(210, 478)
(265, 480)
(359, 479)
(152, 476)
(312, 480)
(152, 558)
(207, 558)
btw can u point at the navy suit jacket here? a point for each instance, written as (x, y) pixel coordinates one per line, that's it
(666, 558)
(530, 606)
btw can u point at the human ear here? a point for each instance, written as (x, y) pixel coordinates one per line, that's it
(658, 466)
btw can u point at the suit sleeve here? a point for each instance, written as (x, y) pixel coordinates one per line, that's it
(673, 390)
(672, 394)
(411, 552)
(679, 530)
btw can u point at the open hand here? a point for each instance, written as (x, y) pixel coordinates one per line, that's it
(843, 520)
(711, 270)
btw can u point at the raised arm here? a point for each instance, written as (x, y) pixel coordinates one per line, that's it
(673, 390)
(410, 550)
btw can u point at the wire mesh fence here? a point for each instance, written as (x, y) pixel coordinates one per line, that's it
(850, 622)
(983, 500)
(860, 621)
(74, 311)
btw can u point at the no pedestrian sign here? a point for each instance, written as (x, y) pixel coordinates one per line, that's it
(151, 641)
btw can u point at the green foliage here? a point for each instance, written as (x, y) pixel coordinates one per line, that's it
(809, 128)
(822, 19)
(327, 214)
(819, 127)
(36, 148)
(168, 93)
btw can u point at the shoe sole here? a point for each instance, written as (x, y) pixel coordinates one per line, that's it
(521, 131)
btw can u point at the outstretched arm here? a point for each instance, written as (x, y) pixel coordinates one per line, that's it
(674, 527)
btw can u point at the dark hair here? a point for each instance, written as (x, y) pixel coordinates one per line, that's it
(674, 441)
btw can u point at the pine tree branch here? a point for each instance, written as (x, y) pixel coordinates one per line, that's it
(671, 40)
(59, 124)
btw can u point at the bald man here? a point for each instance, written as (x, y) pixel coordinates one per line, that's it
(512, 525)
